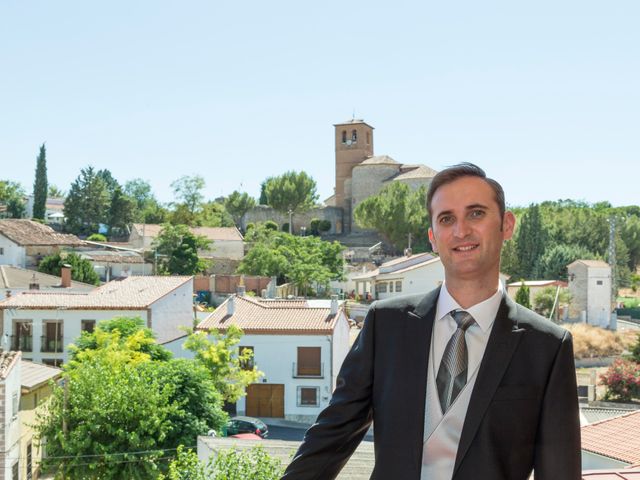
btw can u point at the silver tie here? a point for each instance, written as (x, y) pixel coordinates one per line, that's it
(452, 374)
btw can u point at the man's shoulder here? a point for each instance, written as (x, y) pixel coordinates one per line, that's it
(531, 321)
(408, 302)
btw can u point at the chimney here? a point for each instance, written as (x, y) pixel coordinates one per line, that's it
(241, 290)
(34, 285)
(231, 305)
(334, 304)
(65, 276)
(8, 294)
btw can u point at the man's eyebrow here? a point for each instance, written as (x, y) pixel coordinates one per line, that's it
(476, 205)
(445, 212)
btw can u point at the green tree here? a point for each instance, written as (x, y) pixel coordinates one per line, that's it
(509, 257)
(177, 249)
(263, 194)
(220, 355)
(554, 261)
(147, 208)
(109, 180)
(396, 212)
(188, 191)
(630, 235)
(11, 199)
(213, 214)
(293, 192)
(237, 204)
(121, 212)
(54, 191)
(81, 269)
(531, 240)
(523, 295)
(97, 237)
(87, 204)
(544, 300)
(40, 185)
(301, 260)
(109, 409)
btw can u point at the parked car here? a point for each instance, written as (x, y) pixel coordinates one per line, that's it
(238, 425)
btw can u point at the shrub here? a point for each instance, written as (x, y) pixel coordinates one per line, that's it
(97, 237)
(523, 295)
(271, 225)
(622, 380)
(324, 226)
(285, 227)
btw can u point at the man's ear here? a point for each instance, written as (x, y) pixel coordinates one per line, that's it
(432, 240)
(508, 225)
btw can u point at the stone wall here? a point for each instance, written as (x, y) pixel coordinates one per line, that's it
(263, 213)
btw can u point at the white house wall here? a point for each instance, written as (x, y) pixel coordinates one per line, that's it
(599, 296)
(418, 280)
(172, 311)
(12, 253)
(340, 347)
(11, 427)
(275, 355)
(231, 249)
(72, 321)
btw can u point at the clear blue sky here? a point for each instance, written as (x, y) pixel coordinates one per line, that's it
(544, 95)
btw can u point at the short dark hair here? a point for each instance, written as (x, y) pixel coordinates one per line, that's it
(465, 169)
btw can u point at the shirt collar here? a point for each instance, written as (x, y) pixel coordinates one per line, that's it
(484, 313)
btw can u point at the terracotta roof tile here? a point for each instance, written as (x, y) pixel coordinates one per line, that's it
(126, 293)
(7, 360)
(275, 317)
(16, 277)
(614, 437)
(27, 232)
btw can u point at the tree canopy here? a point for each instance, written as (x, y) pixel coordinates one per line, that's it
(237, 204)
(177, 250)
(40, 186)
(291, 191)
(11, 199)
(300, 260)
(87, 203)
(396, 212)
(81, 269)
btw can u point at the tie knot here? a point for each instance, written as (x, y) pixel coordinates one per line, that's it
(463, 319)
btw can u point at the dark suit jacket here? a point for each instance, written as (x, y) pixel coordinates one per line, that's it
(523, 412)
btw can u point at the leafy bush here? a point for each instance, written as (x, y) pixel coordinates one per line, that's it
(97, 237)
(285, 227)
(622, 380)
(81, 269)
(255, 464)
(271, 225)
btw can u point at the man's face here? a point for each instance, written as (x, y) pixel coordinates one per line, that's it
(467, 229)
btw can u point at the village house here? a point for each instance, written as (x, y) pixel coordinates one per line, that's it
(298, 347)
(23, 243)
(612, 443)
(42, 325)
(590, 289)
(15, 280)
(24, 388)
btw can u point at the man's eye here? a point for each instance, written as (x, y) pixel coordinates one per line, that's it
(446, 220)
(477, 213)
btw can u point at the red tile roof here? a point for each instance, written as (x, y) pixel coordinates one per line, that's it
(284, 317)
(615, 438)
(125, 294)
(633, 474)
(27, 232)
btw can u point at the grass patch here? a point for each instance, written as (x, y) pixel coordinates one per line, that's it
(590, 341)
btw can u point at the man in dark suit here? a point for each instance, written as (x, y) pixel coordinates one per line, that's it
(462, 383)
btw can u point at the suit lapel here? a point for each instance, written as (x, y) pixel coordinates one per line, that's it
(502, 343)
(419, 326)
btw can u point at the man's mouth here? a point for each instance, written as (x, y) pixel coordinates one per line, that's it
(465, 248)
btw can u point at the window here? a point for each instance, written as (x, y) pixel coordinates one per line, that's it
(52, 362)
(368, 138)
(22, 338)
(87, 325)
(398, 285)
(15, 471)
(354, 136)
(308, 396)
(344, 136)
(29, 462)
(52, 338)
(599, 282)
(15, 404)
(381, 287)
(1, 251)
(246, 364)
(391, 287)
(309, 364)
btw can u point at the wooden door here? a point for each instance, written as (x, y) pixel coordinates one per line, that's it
(265, 400)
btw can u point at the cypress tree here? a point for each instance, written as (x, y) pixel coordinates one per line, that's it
(40, 186)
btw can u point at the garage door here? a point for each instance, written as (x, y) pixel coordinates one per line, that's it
(265, 400)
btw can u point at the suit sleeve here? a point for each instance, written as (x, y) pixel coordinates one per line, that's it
(340, 427)
(557, 453)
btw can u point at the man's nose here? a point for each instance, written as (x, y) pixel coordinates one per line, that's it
(461, 229)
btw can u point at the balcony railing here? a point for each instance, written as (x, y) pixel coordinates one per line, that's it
(23, 343)
(308, 371)
(51, 344)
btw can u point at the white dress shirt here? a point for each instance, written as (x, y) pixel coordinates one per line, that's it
(443, 429)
